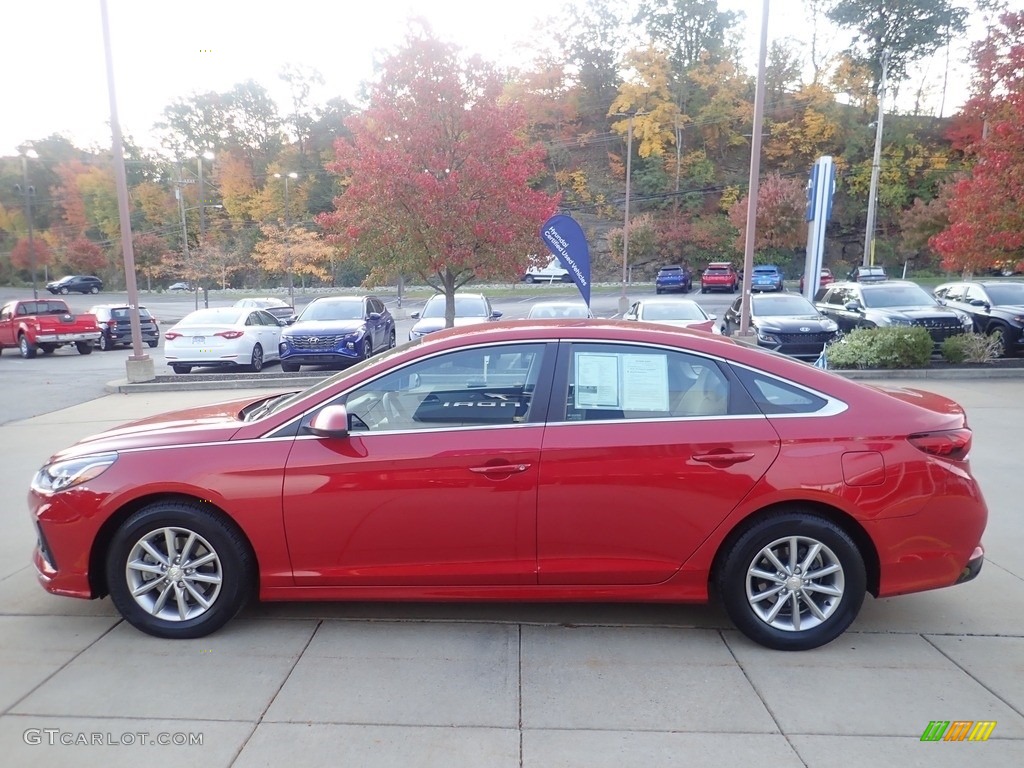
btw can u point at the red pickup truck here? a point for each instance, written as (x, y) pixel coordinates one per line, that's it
(45, 324)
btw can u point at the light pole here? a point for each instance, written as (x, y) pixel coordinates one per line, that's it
(287, 232)
(28, 192)
(876, 167)
(207, 155)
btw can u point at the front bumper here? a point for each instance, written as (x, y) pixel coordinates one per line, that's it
(322, 358)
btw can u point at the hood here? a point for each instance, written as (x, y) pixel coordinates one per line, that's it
(917, 313)
(431, 324)
(323, 327)
(793, 324)
(203, 424)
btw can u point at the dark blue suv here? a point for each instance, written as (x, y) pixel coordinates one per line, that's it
(337, 330)
(673, 278)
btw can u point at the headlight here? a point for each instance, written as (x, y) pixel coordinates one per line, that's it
(62, 475)
(899, 321)
(356, 333)
(768, 334)
(829, 325)
(965, 320)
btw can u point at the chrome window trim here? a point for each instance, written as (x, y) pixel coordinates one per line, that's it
(833, 405)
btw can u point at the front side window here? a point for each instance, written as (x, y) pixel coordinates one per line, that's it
(485, 386)
(611, 382)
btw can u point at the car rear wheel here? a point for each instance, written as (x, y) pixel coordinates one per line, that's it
(793, 581)
(998, 336)
(392, 339)
(179, 570)
(26, 347)
(94, 289)
(182, 368)
(152, 344)
(256, 361)
(105, 344)
(84, 347)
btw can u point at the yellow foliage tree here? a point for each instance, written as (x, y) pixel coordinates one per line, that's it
(647, 94)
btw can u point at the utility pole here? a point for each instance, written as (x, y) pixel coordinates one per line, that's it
(184, 236)
(27, 191)
(876, 167)
(755, 175)
(287, 233)
(623, 299)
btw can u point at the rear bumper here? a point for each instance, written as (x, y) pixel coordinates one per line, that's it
(66, 338)
(973, 567)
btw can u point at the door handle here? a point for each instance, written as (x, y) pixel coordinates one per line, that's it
(723, 458)
(500, 469)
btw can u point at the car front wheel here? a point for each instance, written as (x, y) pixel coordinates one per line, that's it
(793, 581)
(256, 361)
(178, 569)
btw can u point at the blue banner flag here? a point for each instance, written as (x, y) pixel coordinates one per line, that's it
(565, 239)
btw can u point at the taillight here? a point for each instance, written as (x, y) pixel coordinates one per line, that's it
(172, 335)
(112, 323)
(229, 334)
(953, 444)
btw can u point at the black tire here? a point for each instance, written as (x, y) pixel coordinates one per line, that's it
(998, 334)
(26, 347)
(48, 349)
(182, 368)
(105, 344)
(94, 289)
(64, 291)
(735, 287)
(256, 361)
(290, 367)
(367, 349)
(392, 339)
(152, 344)
(703, 289)
(180, 616)
(782, 632)
(657, 290)
(84, 347)
(529, 279)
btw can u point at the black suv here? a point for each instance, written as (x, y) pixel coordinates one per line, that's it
(867, 275)
(76, 284)
(996, 307)
(890, 303)
(115, 325)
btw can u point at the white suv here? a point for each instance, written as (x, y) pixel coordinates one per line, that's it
(554, 272)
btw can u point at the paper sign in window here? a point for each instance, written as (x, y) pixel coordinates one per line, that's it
(597, 381)
(644, 382)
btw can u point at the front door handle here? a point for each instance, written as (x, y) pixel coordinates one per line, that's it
(500, 469)
(723, 458)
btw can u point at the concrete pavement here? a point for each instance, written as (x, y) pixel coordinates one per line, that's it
(373, 684)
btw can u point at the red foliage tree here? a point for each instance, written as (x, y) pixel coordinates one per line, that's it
(781, 220)
(21, 254)
(437, 175)
(84, 257)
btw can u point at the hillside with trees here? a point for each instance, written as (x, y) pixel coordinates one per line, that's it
(443, 175)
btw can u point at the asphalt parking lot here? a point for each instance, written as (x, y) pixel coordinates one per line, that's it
(377, 684)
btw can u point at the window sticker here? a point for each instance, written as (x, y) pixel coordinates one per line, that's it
(597, 381)
(644, 382)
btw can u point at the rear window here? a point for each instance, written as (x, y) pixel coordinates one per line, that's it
(124, 313)
(671, 270)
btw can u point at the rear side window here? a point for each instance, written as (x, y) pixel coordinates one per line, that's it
(775, 397)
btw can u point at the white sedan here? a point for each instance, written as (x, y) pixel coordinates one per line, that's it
(223, 336)
(682, 313)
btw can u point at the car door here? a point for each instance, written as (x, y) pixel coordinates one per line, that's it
(646, 452)
(436, 483)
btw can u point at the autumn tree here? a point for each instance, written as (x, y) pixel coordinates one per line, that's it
(293, 251)
(82, 256)
(908, 29)
(781, 222)
(438, 174)
(150, 252)
(687, 29)
(21, 254)
(647, 96)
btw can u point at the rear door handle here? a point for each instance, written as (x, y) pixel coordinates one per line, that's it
(500, 469)
(723, 458)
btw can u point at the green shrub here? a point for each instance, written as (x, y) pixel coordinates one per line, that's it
(893, 347)
(970, 348)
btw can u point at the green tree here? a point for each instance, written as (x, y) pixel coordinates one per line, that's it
(687, 29)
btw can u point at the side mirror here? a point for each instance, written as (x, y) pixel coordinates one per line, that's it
(331, 421)
(410, 381)
(495, 314)
(374, 316)
(415, 316)
(284, 323)
(712, 316)
(978, 302)
(291, 320)
(852, 306)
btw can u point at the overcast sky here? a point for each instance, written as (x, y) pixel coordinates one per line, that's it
(54, 78)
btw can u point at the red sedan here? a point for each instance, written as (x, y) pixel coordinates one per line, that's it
(536, 460)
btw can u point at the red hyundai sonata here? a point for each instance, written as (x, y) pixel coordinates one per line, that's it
(536, 460)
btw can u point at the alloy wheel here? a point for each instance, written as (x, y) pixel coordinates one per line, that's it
(174, 574)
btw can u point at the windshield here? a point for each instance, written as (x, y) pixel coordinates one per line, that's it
(218, 316)
(897, 296)
(541, 311)
(351, 309)
(1006, 293)
(768, 270)
(782, 306)
(465, 306)
(675, 311)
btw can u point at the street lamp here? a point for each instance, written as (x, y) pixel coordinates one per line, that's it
(28, 192)
(288, 227)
